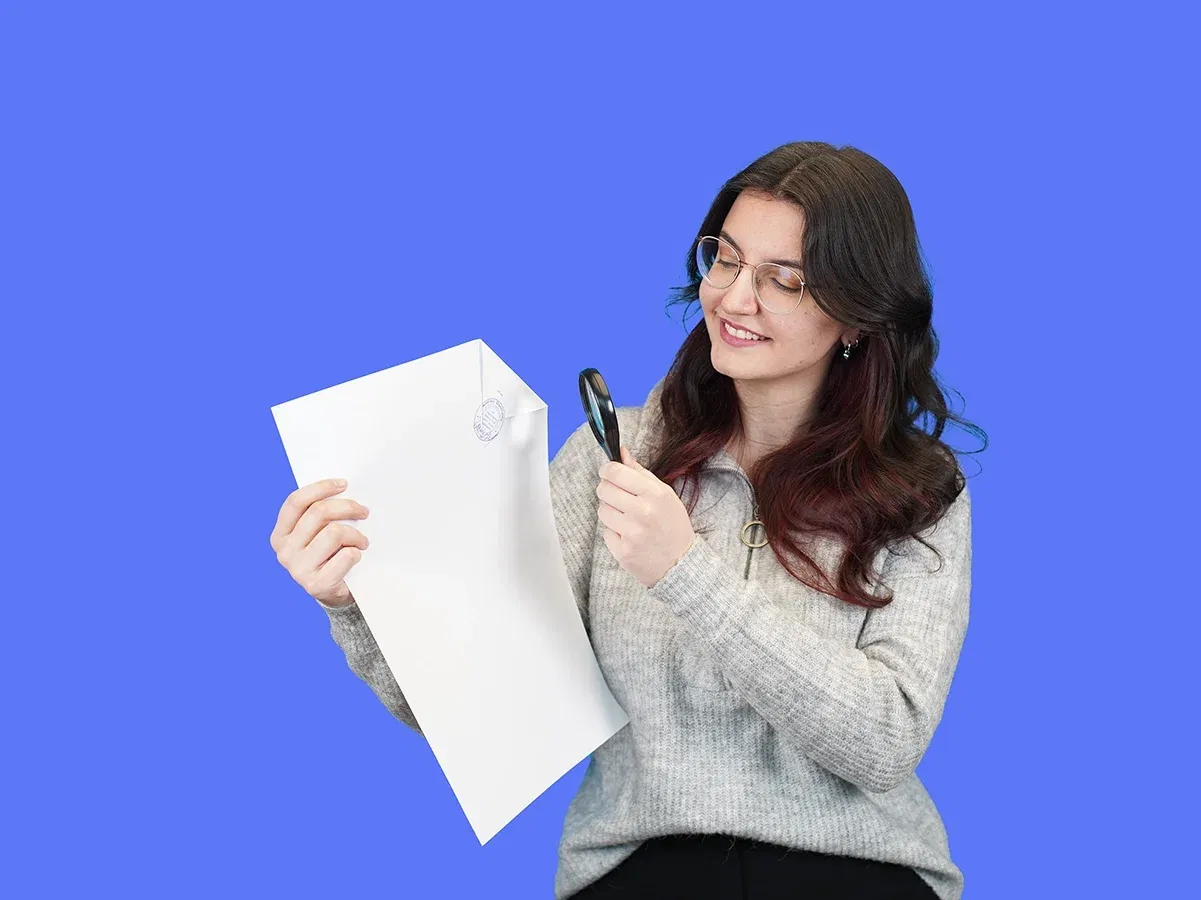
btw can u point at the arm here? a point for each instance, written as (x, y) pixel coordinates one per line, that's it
(350, 632)
(574, 501)
(865, 713)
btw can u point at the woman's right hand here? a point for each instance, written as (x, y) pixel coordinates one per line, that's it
(315, 548)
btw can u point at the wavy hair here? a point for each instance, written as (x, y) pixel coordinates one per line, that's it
(865, 471)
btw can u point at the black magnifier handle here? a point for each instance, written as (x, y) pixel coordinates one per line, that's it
(602, 415)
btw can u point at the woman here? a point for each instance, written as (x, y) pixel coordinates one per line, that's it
(775, 578)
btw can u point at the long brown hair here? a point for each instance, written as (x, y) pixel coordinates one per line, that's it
(864, 471)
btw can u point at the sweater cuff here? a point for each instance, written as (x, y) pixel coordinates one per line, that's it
(337, 609)
(348, 626)
(703, 590)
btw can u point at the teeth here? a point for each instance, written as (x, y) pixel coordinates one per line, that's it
(744, 335)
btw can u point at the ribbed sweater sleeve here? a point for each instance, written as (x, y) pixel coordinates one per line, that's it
(573, 480)
(364, 657)
(865, 713)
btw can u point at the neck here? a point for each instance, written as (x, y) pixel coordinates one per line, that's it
(772, 413)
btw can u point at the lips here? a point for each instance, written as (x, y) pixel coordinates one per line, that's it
(724, 322)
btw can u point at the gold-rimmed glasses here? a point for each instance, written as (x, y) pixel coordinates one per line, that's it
(778, 288)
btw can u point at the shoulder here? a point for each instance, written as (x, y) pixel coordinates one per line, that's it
(949, 537)
(956, 517)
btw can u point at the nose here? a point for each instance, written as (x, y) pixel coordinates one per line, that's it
(740, 297)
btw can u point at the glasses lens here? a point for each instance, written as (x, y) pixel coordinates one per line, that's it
(779, 288)
(717, 261)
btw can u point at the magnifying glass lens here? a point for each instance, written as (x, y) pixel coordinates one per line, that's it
(594, 408)
(602, 416)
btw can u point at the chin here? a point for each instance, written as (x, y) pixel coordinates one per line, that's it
(733, 362)
(730, 365)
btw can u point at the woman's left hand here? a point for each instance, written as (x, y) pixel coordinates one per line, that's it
(647, 528)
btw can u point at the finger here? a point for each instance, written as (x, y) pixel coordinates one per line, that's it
(612, 538)
(613, 542)
(339, 564)
(616, 497)
(629, 479)
(332, 538)
(611, 518)
(298, 502)
(321, 514)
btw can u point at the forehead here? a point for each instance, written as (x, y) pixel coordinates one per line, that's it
(764, 226)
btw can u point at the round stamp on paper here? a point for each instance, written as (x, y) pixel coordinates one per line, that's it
(489, 418)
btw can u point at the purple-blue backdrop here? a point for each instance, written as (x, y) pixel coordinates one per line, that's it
(209, 208)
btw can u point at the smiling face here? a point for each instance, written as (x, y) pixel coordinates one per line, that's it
(795, 348)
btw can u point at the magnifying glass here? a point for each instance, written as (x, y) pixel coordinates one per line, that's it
(602, 416)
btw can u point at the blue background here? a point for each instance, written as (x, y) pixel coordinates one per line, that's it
(207, 209)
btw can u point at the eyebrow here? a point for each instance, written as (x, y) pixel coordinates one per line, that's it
(795, 263)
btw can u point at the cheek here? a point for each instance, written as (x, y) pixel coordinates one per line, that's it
(807, 336)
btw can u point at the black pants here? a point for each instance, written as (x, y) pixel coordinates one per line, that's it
(717, 867)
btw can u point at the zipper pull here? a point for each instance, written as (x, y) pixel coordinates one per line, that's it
(747, 527)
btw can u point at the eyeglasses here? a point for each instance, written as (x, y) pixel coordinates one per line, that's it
(778, 288)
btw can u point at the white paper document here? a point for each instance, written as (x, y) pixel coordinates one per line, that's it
(464, 585)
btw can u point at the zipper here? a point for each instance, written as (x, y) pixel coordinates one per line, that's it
(753, 534)
(750, 537)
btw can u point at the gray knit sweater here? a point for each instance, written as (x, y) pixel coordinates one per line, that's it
(758, 707)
